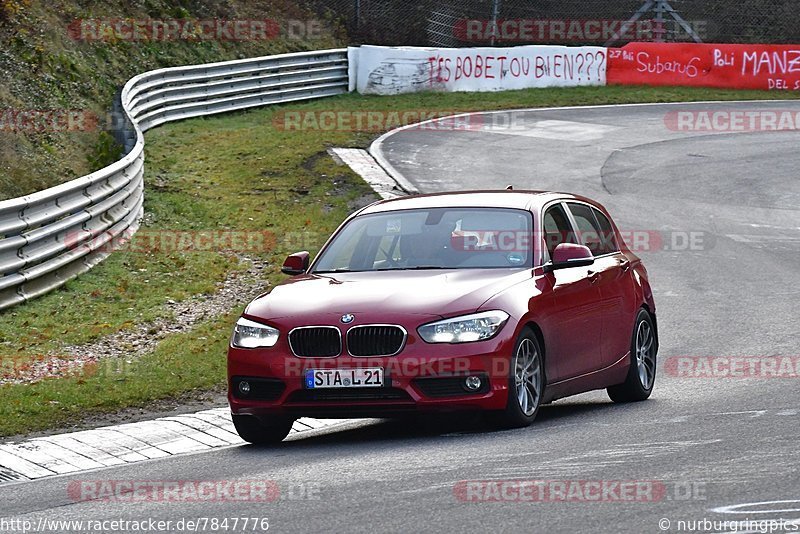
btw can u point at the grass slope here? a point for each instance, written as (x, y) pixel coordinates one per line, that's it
(43, 67)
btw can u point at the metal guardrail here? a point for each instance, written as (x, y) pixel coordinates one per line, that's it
(51, 236)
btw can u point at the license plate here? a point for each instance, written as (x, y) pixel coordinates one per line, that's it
(344, 378)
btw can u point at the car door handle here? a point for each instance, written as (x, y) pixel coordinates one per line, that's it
(625, 265)
(593, 277)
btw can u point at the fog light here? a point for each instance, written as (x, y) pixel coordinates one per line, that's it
(244, 387)
(473, 383)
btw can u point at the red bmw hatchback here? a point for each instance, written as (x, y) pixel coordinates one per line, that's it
(489, 300)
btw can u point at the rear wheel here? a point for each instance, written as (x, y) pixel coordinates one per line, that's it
(525, 382)
(262, 430)
(641, 377)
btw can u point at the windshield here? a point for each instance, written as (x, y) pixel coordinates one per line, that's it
(437, 238)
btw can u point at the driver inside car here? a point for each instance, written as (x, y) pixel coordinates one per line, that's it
(431, 247)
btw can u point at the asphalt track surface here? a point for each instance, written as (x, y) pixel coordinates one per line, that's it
(703, 443)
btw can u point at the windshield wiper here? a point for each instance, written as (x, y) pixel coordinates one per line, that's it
(384, 269)
(415, 268)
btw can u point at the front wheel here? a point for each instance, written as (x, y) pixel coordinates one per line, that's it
(525, 382)
(262, 431)
(641, 377)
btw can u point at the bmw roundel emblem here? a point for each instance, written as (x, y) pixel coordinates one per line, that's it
(348, 318)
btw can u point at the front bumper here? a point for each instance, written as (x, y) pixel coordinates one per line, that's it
(421, 378)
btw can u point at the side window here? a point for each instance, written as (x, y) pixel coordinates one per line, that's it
(589, 233)
(607, 237)
(557, 228)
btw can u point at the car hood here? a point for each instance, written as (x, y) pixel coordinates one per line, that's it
(437, 293)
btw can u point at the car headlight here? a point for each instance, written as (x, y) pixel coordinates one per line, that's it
(249, 334)
(464, 329)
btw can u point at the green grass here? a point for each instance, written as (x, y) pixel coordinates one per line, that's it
(237, 172)
(181, 363)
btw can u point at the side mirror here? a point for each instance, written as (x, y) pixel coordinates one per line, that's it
(568, 255)
(296, 264)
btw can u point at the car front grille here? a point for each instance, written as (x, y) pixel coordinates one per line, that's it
(316, 341)
(375, 340)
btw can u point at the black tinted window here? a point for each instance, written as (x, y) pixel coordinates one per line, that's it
(590, 232)
(557, 228)
(608, 238)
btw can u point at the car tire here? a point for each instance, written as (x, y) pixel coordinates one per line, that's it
(262, 430)
(526, 382)
(641, 376)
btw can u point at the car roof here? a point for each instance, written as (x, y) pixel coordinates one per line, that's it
(516, 199)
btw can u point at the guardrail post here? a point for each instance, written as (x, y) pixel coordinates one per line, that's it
(495, 17)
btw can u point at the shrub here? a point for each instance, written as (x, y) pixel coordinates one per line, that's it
(11, 8)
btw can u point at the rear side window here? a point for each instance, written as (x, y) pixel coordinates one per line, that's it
(557, 228)
(591, 232)
(607, 237)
